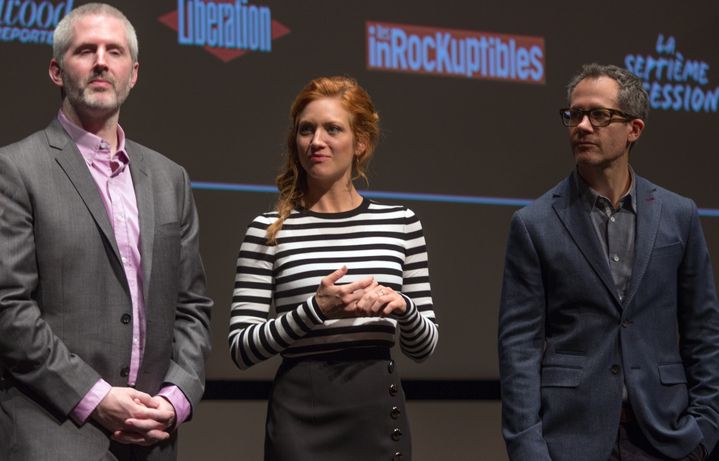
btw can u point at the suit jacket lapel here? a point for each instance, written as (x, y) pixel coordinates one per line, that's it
(72, 163)
(142, 181)
(648, 212)
(572, 212)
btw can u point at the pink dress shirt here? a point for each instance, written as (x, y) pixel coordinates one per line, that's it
(112, 175)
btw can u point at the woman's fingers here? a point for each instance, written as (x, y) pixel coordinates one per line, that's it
(331, 279)
(361, 298)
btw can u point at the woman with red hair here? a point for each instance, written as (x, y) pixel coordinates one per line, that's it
(343, 274)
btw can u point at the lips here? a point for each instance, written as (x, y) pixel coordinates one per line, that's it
(318, 157)
(583, 143)
(100, 82)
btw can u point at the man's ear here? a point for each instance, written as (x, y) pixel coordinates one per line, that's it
(636, 126)
(133, 78)
(55, 72)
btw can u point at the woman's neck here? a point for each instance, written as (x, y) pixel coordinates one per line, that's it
(333, 200)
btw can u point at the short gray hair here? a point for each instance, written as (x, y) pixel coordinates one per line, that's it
(632, 97)
(63, 35)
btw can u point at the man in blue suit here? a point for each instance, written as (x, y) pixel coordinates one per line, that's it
(609, 321)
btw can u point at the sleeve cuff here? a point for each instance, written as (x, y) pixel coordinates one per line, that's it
(408, 313)
(316, 311)
(183, 408)
(92, 399)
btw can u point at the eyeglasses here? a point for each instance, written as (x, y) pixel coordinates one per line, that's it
(598, 117)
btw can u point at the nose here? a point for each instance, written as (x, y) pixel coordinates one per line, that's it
(585, 124)
(317, 138)
(101, 59)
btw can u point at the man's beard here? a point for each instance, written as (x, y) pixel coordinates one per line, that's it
(85, 99)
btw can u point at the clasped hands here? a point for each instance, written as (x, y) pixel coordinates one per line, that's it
(134, 417)
(361, 298)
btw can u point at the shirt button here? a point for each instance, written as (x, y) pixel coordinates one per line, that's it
(125, 372)
(615, 258)
(612, 219)
(125, 318)
(397, 456)
(390, 366)
(393, 389)
(395, 412)
(615, 369)
(396, 434)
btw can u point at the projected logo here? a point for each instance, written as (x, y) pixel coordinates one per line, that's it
(457, 53)
(227, 29)
(674, 82)
(30, 21)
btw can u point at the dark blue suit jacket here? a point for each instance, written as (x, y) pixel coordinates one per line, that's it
(567, 343)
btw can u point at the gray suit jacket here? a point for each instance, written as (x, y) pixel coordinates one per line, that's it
(64, 298)
(567, 343)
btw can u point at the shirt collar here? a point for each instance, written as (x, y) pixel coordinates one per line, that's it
(91, 145)
(591, 196)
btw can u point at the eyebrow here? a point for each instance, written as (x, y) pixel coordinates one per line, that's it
(111, 45)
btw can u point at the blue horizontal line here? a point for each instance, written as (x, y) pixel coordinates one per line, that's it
(408, 196)
(517, 202)
(202, 185)
(708, 212)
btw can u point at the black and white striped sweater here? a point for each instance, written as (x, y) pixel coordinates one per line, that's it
(379, 240)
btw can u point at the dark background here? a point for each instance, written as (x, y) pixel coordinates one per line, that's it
(226, 123)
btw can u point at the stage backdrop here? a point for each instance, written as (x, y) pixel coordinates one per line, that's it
(468, 94)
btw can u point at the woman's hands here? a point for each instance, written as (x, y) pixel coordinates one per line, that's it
(362, 298)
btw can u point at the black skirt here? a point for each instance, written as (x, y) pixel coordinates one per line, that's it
(341, 406)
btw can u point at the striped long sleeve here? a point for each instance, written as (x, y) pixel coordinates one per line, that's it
(273, 309)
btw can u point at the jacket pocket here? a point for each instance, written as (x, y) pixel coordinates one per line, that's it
(672, 373)
(554, 376)
(672, 250)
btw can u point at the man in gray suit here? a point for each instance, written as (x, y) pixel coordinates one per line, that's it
(104, 321)
(608, 323)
